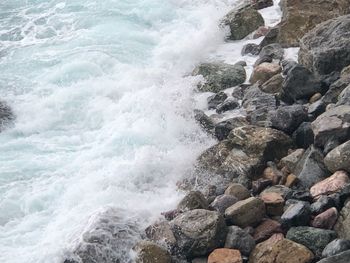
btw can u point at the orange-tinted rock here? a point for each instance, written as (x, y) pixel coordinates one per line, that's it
(292, 179)
(274, 203)
(225, 255)
(266, 229)
(264, 72)
(327, 219)
(260, 251)
(330, 185)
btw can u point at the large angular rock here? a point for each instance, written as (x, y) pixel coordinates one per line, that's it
(198, 232)
(304, 135)
(243, 21)
(238, 191)
(148, 252)
(331, 185)
(332, 126)
(311, 169)
(266, 229)
(280, 251)
(223, 129)
(299, 17)
(339, 258)
(216, 99)
(299, 83)
(245, 213)
(343, 224)
(222, 202)
(204, 121)
(326, 48)
(193, 200)
(335, 247)
(326, 220)
(273, 85)
(344, 97)
(220, 76)
(264, 72)
(260, 4)
(339, 158)
(335, 89)
(238, 238)
(297, 214)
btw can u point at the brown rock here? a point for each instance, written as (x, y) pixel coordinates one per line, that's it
(291, 160)
(238, 190)
(148, 252)
(273, 174)
(264, 72)
(292, 180)
(315, 97)
(260, 184)
(330, 185)
(261, 31)
(266, 229)
(225, 255)
(327, 219)
(282, 251)
(161, 233)
(273, 85)
(274, 203)
(260, 252)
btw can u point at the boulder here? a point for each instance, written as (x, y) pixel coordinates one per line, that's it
(331, 184)
(335, 247)
(343, 224)
(6, 115)
(274, 203)
(216, 99)
(198, 232)
(274, 51)
(315, 239)
(299, 83)
(304, 135)
(225, 255)
(344, 97)
(222, 202)
(260, 4)
(339, 158)
(257, 105)
(339, 258)
(332, 126)
(219, 76)
(250, 49)
(248, 212)
(326, 220)
(273, 85)
(311, 169)
(229, 104)
(264, 72)
(326, 48)
(239, 239)
(297, 214)
(204, 121)
(292, 159)
(238, 191)
(271, 37)
(243, 21)
(193, 200)
(280, 251)
(266, 229)
(223, 129)
(316, 109)
(148, 252)
(299, 17)
(288, 118)
(161, 233)
(323, 203)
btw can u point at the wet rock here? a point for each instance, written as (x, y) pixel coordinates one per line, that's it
(274, 203)
(297, 214)
(260, 32)
(6, 115)
(291, 160)
(261, 60)
(220, 76)
(288, 118)
(330, 185)
(326, 220)
(260, 184)
(315, 239)
(193, 200)
(216, 99)
(250, 49)
(339, 258)
(238, 191)
(148, 252)
(273, 85)
(264, 72)
(335, 89)
(280, 251)
(323, 203)
(223, 129)
(260, 4)
(299, 83)
(225, 255)
(271, 37)
(344, 97)
(239, 239)
(204, 121)
(222, 202)
(343, 224)
(257, 105)
(311, 169)
(242, 22)
(248, 212)
(229, 104)
(326, 48)
(274, 51)
(161, 233)
(335, 247)
(339, 158)
(198, 232)
(304, 16)
(266, 229)
(304, 135)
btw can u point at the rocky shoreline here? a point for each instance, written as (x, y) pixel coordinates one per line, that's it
(276, 186)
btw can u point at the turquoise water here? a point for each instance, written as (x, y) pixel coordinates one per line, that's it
(103, 113)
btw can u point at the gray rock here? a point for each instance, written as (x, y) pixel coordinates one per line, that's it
(250, 49)
(311, 169)
(317, 108)
(204, 121)
(6, 116)
(274, 51)
(326, 48)
(193, 200)
(264, 59)
(288, 118)
(343, 224)
(335, 89)
(198, 232)
(335, 247)
(315, 239)
(222, 202)
(219, 76)
(216, 99)
(339, 258)
(229, 104)
(344, 97)
(243, 21)
(271, 37)
(162, 234)
(223, 129)
(339, 158)
(299, 83)
(304, 136)
(148, 252)
(297, 214)
(273, 85)
(260, 4)
(239, 239)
